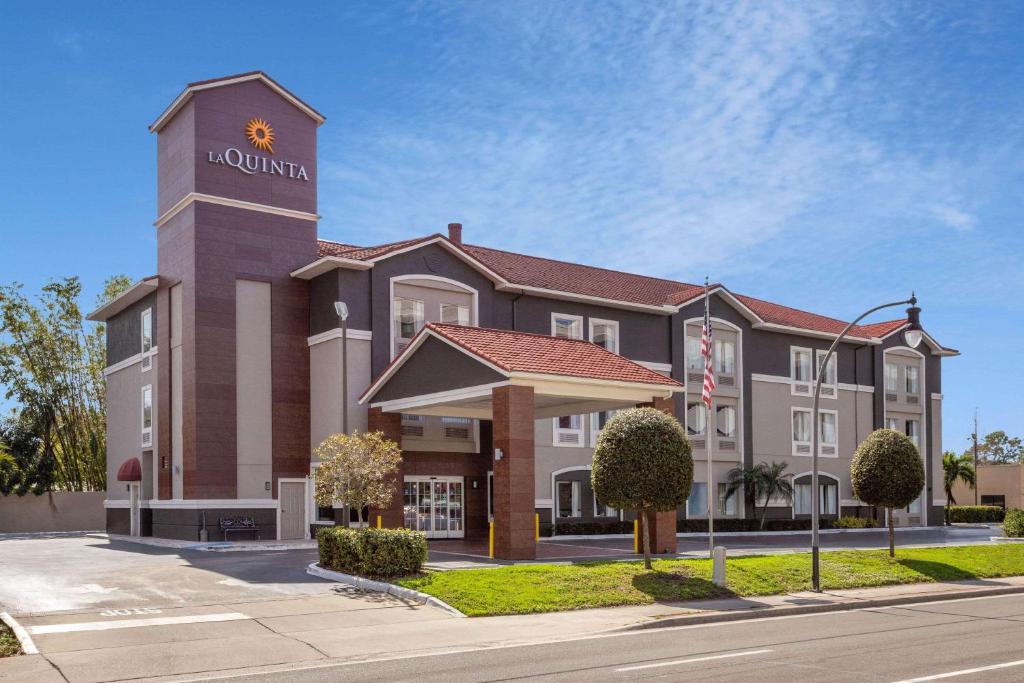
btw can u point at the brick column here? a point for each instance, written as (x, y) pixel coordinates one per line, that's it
(513, 473)
(391, 424)
(662, 525)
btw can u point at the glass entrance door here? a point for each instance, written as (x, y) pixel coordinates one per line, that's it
(434, 505)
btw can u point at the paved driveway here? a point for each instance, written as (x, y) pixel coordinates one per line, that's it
(102, 610)
(41, 574)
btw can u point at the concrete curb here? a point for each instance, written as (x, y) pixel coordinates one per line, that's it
(27, 646)
(382, 587)
(1005, 539)
(765, 612)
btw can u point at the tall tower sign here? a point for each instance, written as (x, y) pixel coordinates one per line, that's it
(236, 213)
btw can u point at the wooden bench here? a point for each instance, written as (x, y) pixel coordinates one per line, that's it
(239, 524)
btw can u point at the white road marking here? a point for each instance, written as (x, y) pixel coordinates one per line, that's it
(692, 660)
(134, 623)
(964, 672)
(445, 652)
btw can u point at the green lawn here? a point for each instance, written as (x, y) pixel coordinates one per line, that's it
(523, 589)
(9, 645)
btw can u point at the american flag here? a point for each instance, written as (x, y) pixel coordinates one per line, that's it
(705, 350)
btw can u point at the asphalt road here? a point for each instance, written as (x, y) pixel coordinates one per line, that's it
(975, 639)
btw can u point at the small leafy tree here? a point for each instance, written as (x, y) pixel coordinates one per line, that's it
(760, 482)
(956, 468)
(356, 470)
(887, 472)
(642, 462)
(26, 459)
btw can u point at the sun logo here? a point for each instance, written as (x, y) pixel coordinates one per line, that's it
(260, 134)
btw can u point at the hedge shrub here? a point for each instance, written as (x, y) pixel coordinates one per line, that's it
(975, 513)
(854, 523)
(376, 553)
(1013, 524)
(588, 528)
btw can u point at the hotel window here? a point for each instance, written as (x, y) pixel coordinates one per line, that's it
(605, 333)
(597, 423)
(829, 377)
(601, 510)
(457, 428)
(568, 430)
(696, 418)
(828, 423)
(147, 339)
(915, 506)
(913, 430)
(801, 364)
(697, 503)
(455, 314)
(566, 326)
(694, 361)
(891, 377)
(727, 506)
(913, 380)
(408, 321)
(828, 499)
(569, 499)
(892, 423)
(725, 421)
(147, 416)
(412, 425)
(322, 514)
(801, 432)
(725, 357)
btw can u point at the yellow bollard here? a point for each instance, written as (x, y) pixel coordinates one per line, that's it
(380, 522)
(536, 526)
(490, 541)
(636, 535)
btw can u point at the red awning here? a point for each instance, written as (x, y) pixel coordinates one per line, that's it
(130, 470)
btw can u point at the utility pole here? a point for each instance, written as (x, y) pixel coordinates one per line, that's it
(974, 438)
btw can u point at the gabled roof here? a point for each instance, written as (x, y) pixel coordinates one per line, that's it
(208, 84)
(546, 355)
(522, 353)
(514, 272)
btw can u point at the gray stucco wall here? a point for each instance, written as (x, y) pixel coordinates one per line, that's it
(124, 330)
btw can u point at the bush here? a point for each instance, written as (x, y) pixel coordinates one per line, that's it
(966, 514)
(854, 523)
(376, 553)
(1013, 524)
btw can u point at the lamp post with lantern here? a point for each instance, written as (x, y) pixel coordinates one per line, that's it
(912, 335)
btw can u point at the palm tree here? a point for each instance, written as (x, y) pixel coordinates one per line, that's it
(760, 482)
(956, 468)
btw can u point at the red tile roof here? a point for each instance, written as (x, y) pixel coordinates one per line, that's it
(525, 352)
(574, 278)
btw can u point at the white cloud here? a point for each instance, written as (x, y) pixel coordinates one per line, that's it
(742, 140)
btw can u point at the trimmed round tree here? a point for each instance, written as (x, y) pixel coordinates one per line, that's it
(887, 472)
(642, 462)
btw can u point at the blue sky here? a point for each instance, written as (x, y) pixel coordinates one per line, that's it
(827, 156)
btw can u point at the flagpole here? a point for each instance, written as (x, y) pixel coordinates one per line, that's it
(708, 437)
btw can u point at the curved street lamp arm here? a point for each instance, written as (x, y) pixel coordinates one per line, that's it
(815, 493)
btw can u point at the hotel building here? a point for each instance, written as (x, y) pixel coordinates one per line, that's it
(494, 370)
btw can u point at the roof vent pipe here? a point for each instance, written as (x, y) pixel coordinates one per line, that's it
(455, 233)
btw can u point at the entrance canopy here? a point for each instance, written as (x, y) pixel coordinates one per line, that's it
(451, 370)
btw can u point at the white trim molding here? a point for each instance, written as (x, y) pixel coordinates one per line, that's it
(234, 203)
(126, 363)
(361, 335)
(936, 396)
(189, 91)
(212, 503)
(137, 292)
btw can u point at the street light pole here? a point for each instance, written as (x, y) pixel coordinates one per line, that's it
(914, 339)
(341, 308)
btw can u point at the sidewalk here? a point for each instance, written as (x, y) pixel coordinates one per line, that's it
(290, 635)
